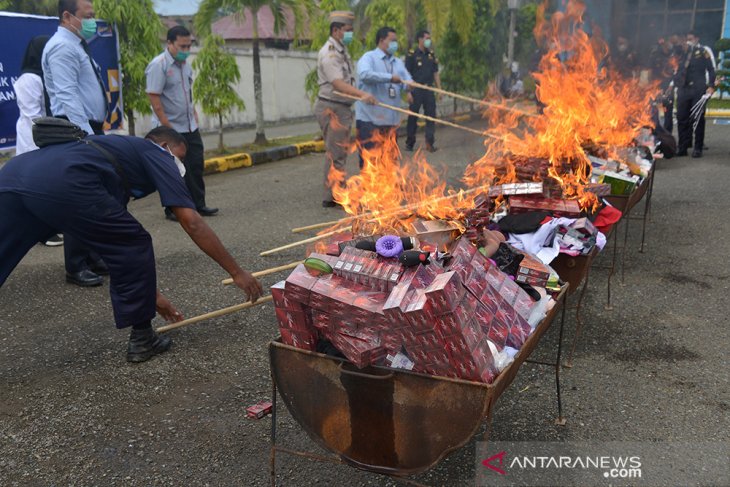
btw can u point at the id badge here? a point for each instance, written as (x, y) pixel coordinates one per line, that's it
(391, 91)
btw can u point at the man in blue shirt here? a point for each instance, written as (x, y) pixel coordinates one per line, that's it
(382, 75)
(76, 92)
(75, 188)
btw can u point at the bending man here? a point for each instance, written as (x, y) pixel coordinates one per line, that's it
(75, 188)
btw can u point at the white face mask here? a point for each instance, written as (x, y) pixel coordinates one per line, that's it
(178, 163)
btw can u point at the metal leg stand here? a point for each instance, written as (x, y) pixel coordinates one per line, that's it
(560, 420)
(578, 319)
(623, 249)
(611, 270)
(272, 461)
(647, 210)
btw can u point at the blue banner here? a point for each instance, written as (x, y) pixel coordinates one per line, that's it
(16, 31)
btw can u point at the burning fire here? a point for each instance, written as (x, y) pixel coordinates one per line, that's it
(587, 107)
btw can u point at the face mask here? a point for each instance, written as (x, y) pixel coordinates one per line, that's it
(347, 39)
(178, 163)
(427, 43)
(690, 43)
(182, 56)
(392, 47)
(88, 28)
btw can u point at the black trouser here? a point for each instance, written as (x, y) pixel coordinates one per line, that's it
(370, 135)
(427, 99)
(668, 104)
(686, 99)
(194, 163)
(76, 256)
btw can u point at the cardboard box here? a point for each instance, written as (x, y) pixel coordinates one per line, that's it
(306, 340)
(445, 292)
(620, 184)
(282, 298)
(558, 207)
(294, 320)
(299, 284)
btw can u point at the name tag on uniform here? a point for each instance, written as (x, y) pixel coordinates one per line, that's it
(391, 91)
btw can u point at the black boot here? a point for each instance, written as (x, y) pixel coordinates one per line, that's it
(145, 343)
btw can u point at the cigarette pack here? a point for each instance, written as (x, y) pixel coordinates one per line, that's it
(531, 266)
(519, 332)
(584, 226)
(476, 283)
(445, 292)
(359, 350)
(330, 294)
(420, 276)
(299, 284)
(283, 300)
(322, 322)
(258, 411)
(558, 207)
(294, 320)
(397, 302)
(419, 312)
(306, 340)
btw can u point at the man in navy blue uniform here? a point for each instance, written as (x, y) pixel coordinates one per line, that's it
(75, 188)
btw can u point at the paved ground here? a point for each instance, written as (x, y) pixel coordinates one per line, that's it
(72, 412)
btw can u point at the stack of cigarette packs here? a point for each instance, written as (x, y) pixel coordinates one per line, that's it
(449, 320)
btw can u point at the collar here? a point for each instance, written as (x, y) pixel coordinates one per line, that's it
(68, 34)
(338, 45)
(425, 50)
(171, 59)
(384, 55)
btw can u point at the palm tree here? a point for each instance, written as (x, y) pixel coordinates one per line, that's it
(209, 10)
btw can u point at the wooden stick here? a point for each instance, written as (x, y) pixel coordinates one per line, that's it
(425, 117)
(472, 100)
(266, 272)
(214, 314)
(389, 213)
(300, 242)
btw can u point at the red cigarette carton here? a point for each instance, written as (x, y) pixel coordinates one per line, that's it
(445, 292)
(322, 322)
(294, 320)
(258, 411)
(306, 340)
(282, 298)
(299, 284)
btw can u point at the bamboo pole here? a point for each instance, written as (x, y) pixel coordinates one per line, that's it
(214, 314)
(266, 272)
(300, 242)
(425, 117)
(395, 212)
(472, 100)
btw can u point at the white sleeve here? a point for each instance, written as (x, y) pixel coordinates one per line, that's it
(29, 95)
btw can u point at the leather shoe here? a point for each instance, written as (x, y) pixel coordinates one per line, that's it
(431, 148)
(409, 148)
(207, 211)
(682, 153)
(99, 267)
(146, 343)
(696, 153)
(84, 278)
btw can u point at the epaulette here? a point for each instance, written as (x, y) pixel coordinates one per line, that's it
(332, 47)
(411, 51)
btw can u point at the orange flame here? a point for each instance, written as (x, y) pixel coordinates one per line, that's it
(587, 108)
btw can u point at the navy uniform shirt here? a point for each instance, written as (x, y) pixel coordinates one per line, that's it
(422, 66)
(75, 173)
(696, 69)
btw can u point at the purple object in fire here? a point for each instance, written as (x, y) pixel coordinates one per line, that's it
(389, 246)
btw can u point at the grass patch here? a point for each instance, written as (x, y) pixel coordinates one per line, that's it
(715, 103)
(251, 147)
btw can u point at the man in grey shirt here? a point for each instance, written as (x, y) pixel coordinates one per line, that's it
(170, 90)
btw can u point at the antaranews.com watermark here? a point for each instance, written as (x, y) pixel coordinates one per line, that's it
(641, 464)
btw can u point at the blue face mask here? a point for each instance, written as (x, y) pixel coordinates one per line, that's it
(347, 39)
(392, 47)
(427, 43)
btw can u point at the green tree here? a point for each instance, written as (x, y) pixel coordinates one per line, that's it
(382, 13)
(722, 48)
(217, 73)
(139, 30)
(35, 7)
(209, 11)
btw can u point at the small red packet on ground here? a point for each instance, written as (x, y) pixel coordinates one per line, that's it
(258, 411)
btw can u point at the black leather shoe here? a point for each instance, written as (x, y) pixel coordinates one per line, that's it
(696, 153)
(84, 278)
(682, 153)
(207, 211)
(99, 267)
(144, 344)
